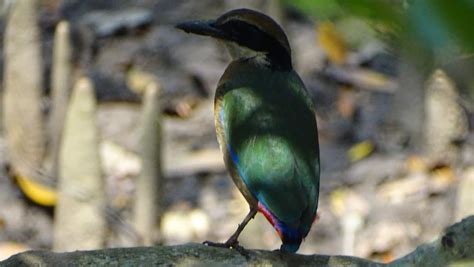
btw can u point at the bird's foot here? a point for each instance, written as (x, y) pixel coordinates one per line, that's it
(230, 244)
(215, 244)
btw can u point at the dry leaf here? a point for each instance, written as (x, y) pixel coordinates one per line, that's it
(415, 163)
(346, 102)
(332, 43)
(361, 78)
(388, 257)
(441, 179)
(138, 80)
(8, 249)
(337, 201)
(360, 150)
(399, 190)
(344, 200)
(38, 193)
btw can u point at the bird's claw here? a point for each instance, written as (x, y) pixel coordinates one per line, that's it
(230, 245)
(215, 244)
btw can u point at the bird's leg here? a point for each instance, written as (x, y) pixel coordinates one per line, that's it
(232, 242)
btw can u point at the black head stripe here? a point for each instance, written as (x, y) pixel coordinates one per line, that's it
(254, 38)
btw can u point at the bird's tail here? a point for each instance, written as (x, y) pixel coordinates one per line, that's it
(291, 245)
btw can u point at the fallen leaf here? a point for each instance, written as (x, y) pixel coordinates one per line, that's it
(118, 161)
(360, 150)
(415, 163)
(388, 257)
(38, 193)
(345, 200)
(138, 80)
(332, 42)
(8, 249)
(399, 190)
(441, 179)
(346, 102)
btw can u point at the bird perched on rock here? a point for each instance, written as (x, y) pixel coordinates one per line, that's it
(265, 124)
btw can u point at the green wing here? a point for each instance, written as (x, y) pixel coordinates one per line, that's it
(271, 134)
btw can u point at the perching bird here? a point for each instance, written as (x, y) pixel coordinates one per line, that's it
(265, 124)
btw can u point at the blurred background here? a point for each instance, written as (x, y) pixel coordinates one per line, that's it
(107, 131)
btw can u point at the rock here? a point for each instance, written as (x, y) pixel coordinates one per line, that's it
(388, 167)
(399, 190)
(117, 161)
(385, 236)
(465, 198)
(181, 224)
(109, 23)
(118, 123)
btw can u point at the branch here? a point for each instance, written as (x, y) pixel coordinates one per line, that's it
(181, 255)
(456, 244)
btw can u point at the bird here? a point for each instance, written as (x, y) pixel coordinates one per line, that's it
(265, 125)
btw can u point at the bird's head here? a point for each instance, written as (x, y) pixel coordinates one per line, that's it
(246, 33)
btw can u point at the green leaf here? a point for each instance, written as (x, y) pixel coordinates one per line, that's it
(456, 17)
(320, 9)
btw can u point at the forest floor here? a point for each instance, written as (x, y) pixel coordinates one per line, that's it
(380, 205)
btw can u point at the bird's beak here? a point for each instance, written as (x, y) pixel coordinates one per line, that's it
(202, 27)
